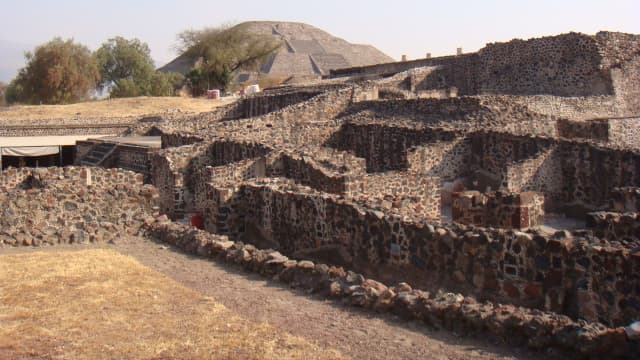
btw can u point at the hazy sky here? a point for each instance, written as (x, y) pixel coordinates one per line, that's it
(394, 26)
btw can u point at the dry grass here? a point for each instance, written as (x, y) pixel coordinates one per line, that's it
(101, 304)
(110, 108)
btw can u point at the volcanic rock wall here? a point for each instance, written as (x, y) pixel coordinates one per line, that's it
(574, 275)
(73, 205)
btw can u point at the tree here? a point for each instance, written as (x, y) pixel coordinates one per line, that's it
(127, 68)
(57, 72)
(126, 65)
(3, 90)
(165, 84)
(221, 51)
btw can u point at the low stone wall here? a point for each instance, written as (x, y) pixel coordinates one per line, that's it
(448, 160)
(625, 199)
(496, 209)
(533, 328)
(308, 173)
(590, 173)
(595, 130)
(61, 130)
(624, 133)
(622, 227)
(471, 113)
(385, 146)
(75, 206)
(13, 178)
(177, 139)
(410, 195)
(134, 158)
(575, 275)
(264, 103)
(181, 173)
(620, 133)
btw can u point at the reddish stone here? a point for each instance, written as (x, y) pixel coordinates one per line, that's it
(511, 290)
(490, 283)
(533, 290)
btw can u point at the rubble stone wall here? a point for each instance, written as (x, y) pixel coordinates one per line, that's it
(62, 130)
(623, 227)
(497, 209)
(404, 193)
(465, 315)
(595, 130)
(624, 133)
(563, 273)
(61, 205)
(448, 160)
(13, 178)
(384, 147)
(591, 172)
(625, 199)
(260, 104)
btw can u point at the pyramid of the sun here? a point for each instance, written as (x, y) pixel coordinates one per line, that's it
(306, 50)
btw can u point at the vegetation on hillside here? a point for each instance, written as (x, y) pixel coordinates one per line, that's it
(219, 52)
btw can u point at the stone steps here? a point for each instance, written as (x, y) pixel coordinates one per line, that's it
(98, 154)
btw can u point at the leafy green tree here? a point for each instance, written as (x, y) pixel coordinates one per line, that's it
(127, 69)
(221, 51)
(126, 65)
(58, 72)
(197, 79)
(165, 84)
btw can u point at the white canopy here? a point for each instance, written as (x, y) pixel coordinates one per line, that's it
(29, 150)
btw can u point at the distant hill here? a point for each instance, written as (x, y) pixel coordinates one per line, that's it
(307, 51)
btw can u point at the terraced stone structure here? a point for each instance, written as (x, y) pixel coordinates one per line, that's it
(335, 174)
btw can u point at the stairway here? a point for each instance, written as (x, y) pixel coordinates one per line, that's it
(98, 154)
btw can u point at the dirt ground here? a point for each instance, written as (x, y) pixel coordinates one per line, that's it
(98, 303)
(353, 332)
(138, 106)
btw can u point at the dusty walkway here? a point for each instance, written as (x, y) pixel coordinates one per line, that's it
(355, 333)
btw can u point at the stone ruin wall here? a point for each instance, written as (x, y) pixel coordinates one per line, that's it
(620, 221)
(563, 65)
(385, 147)
(63, 130)
(402, 194)
(451, 311)
(13, 178)
(566, 274)
(624, 133)
(125, 156)
(448, 160)
(498, 113)
(168, 140)
(522, 210)
(573, 75)
(264, 103)
(594, 130)
(49, 206)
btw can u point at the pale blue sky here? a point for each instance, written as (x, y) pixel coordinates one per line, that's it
(394, 26)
